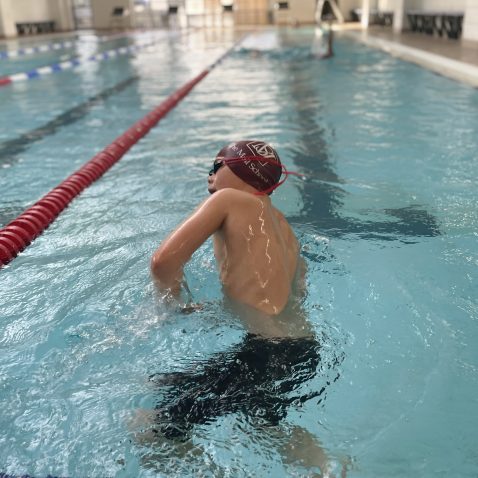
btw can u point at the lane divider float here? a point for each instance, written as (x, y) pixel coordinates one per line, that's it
(23, 230)
(67, 65)
(30, 50)
(45, 47)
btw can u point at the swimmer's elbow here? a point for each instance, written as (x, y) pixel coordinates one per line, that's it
(165, 272)
(156, 265)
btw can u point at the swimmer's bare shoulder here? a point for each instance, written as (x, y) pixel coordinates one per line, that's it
(169, 259)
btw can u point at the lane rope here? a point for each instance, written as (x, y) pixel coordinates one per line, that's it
(23, 230)
(75, 62)
(45, 47)
(30, 50)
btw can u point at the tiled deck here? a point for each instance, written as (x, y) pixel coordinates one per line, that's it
(457, 59)
(460, 50)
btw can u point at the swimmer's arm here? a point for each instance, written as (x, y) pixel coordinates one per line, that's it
(301, 273)
(300, 282)
(169, 259)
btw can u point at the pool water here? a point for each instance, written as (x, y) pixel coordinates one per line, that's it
(386, 217)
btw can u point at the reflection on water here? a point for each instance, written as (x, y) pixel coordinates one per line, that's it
(322, 196)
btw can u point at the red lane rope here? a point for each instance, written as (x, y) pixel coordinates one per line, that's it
(20, 232)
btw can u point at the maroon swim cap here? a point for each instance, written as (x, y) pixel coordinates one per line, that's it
(255, 162)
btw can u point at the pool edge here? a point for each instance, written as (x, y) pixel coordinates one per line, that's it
(454, 69)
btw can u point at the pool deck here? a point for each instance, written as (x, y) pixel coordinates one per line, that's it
(457, 59)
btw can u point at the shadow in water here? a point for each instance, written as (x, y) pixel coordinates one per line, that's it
(8, 213)
(10, 149)
(260, 378)
(323, 201)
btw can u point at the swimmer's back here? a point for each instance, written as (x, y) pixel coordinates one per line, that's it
(257, 252)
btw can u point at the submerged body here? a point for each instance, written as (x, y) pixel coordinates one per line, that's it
(258, 377)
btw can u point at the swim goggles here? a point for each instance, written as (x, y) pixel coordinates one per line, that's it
(285, 172)
(215, 167)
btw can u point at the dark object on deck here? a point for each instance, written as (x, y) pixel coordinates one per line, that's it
(173, 9)
(376, 17)
(118, 15)
(431, 22)
(33, 28)
(282, 5)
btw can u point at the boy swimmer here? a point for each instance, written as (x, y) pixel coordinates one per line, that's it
(258, 257)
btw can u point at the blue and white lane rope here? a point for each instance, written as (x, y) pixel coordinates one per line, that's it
(67, 65)
(46, 47)
(31, 50)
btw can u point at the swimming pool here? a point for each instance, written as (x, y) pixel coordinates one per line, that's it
(387, 220)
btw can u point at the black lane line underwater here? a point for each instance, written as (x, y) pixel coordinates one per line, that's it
(10, 211)
(322, 199)
(10, 149)
(7, 475)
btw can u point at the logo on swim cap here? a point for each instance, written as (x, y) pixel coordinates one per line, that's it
(255, 162)
(262, 149)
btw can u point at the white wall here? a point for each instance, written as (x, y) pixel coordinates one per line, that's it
(443, 5)
(302, 11)
(386, 5)
(28, 11)
(62, 13)
(102, 9)
(347, 5)
(15, 11)
(7, 24)
(470, 27)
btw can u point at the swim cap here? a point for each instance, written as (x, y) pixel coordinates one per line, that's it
(255, 162)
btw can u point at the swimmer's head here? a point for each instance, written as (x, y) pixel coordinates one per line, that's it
(254, 163)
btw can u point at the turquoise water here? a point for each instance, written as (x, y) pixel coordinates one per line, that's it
(386, 216)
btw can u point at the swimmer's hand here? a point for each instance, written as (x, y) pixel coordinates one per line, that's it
(190, 308)
(168, 283)
(179, 298)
